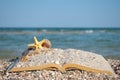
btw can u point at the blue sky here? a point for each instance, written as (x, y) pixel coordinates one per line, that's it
(59, 13)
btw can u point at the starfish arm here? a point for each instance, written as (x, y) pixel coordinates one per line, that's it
(31, 45)
(35, 41)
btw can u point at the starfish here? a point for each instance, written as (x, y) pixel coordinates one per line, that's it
(37, 45)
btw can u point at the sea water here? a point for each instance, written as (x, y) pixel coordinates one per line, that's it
(103, 41)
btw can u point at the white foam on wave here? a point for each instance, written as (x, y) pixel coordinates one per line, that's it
(89, 31)
(44, 30)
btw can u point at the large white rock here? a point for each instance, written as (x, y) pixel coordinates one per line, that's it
(74, 58)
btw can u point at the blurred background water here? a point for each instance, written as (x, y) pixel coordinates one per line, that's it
(103, 41)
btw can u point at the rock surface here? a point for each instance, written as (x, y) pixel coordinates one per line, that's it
(61, 57)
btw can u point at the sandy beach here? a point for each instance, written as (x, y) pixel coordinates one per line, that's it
(73, 74)
(57, 75)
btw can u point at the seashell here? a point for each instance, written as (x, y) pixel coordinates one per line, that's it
(18, 65)
(57, 62)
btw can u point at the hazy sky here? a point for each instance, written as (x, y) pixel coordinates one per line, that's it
(60, 13)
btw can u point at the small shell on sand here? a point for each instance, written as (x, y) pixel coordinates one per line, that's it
(57, 62)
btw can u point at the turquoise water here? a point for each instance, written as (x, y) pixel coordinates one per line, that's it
(103, 41)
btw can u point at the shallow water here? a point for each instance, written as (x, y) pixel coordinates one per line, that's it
(103, 41)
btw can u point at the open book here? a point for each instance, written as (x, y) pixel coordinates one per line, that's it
(53, 66)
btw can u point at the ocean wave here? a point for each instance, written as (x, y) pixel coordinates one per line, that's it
(46, 32)
(89, 31)
(60, 31)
